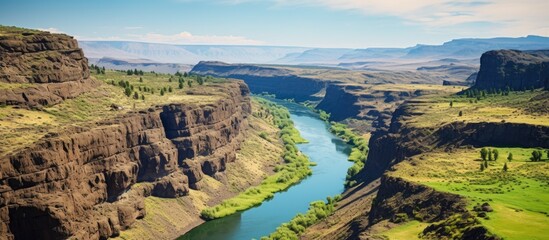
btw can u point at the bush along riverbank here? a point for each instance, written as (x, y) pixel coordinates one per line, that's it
(318, 210)
(358, 154)
(296, 167)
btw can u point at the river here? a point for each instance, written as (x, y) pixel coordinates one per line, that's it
(328, 151)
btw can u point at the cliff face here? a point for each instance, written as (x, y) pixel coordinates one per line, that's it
(52, 63)
(515, 69)
(265, 79)
(388, 147)
(397, 197)
(365, 102)
(83, 183)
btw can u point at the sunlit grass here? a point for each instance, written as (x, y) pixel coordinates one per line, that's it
(519, 196)
(436, 111)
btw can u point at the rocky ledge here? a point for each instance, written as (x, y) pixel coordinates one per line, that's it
(90, 183)
(40, 68)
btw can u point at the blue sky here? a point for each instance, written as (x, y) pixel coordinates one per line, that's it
(311, 23)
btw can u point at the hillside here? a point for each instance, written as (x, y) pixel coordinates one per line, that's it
(423, 176)
(126, 150)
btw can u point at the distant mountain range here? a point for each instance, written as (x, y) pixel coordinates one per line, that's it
(185, 54)
(467, 48)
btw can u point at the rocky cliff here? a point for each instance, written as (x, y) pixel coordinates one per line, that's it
(398, 200)
(90, 183)
(518, 70)
(400, 141)
(40, 68)
(374, 104)
(260, 79)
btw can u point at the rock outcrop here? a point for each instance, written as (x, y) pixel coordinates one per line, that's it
(364, 102)
(518, 70)
(83, 183)
(40, 68)
(261, 79)
(388, 147)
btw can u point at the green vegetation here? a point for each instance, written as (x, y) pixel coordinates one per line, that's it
(11, 30)
(409, 230)
(296, 166)
(358, 154)
(323, 115)
(528, 107)
(518, 191)
(318, 210)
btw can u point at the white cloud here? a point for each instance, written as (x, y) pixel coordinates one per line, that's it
(512, 17)
(181, 38)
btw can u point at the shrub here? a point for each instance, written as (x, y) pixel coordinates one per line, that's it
(263, 135)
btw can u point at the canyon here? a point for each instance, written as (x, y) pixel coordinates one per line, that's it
(145, 169)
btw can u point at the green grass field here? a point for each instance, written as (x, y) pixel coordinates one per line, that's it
(519, 196)
(517, 107)
(409, 231)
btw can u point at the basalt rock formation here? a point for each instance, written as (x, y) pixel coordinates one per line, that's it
(388, 147)
(364, 102)
(41, 68)
(90, 182)
(397, 198)
(518, 70)
(260, 79)
(81, 183)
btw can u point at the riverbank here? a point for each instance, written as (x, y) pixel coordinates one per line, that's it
(328, 151)
(296, 166)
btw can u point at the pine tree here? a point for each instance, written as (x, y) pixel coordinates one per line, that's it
(180, 85)
(496, 154)
(460, 113)
(170, 89)
(505, 167)
(190, 83)
(140, 79)
(161, 92)
(135, 95)
(451, 103)
(143, 97)
(483, 153)
(490, 154)
(485, 164)
(510, 157)
(128, 91)
(482, 167)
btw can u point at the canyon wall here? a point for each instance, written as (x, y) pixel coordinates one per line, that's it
(40, 68)
(518, 70)
(90, 183)
(260, 79)
(364, 102)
